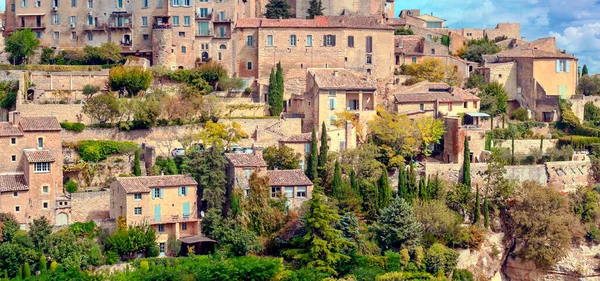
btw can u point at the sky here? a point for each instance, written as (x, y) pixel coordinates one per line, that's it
(574, 23)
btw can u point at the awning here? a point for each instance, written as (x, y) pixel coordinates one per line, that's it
(195, 239)
(477, 114)
(32, 14)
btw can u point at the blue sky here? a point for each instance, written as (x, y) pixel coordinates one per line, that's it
(574, 23)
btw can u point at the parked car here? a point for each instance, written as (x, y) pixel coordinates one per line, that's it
(178, 152)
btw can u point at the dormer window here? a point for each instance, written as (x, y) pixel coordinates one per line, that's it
(42, 167)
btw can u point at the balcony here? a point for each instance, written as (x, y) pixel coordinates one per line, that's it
(163, 25)
(170, 218)
(206, 34)
(94, 27)
(222, 19)
(203, 16)
(114, 25)
(32, 26)
(222, 36)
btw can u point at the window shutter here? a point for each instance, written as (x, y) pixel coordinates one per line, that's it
(568, 67)
(369, 44)
(324, 40)
(157, 213)
(334, 103)
(557, 66)
(333, 40)
(162, 193)
(179, 191)
(186, 208)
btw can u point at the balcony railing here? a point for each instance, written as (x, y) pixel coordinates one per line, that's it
(170, 218)
(90, 27)
(122, 25)
(208, 34)
(32, 26)
(222, 20)
(223, 36)
(204, 17)
(161, 26)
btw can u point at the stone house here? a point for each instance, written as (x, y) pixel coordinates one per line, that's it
(379, 8)
(300, 143)
(240, 167)
(539, 73)
(454, 139)
(31, 181)
(293, 184)
(167, 203)
(434, 100)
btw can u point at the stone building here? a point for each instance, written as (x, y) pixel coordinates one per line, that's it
(454, 139)
(301, 143)
(539, 72)
(345, 7)
(31, 170)
(293, 184)
(240, 167)
(435, 100)
(167, 203)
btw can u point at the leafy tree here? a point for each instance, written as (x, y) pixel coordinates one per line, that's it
(403, 31)
(584, 70)
(13, 256)
(585, 205)
(432, 70)
(71, 186)
(278, 9)
(312, 161)
(320, 247)
(460, 198)
(222, 134)
(109, 52)
(315, 9)
(282, 158)
(146, 111)
(323, 153)
(26, 270)
(43, 265)
(39, 230)
(479, 47)
(9, 100)
(397, 226)
(90, 90)
(129, 79)
(475, 81)
(137, 169)
(103, 107)
(440, 259)
(384, 190)
(336, 183)
(363, 160)
(160, 72)
(353, 181)
(208, 169)
(589, 85)
(436, 218)
(264, 218)
(21, 45)
(499, 188)
(466, 179)
(592, 113)
(494, 98)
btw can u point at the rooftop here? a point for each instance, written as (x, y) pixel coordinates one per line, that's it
(300, 138)
(8, 130)
(13, 183)
(144, 184)
(338, 78)
(431, 92)
(245, 160)
(540, 48)
(353, 22)
(288, 178)
(38, 156)
(40, 123)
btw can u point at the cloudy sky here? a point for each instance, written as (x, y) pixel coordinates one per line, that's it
(574, 23)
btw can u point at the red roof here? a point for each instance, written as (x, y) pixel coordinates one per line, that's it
(8, 130)
(245, 160)
(13, 183)
(40, 123)
(355, 22)
(144, 184)
(288, 178)
(38, 156)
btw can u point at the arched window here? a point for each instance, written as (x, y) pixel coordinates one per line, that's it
(223, 47)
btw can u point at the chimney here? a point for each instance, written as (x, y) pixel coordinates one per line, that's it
(335, 73)
(523, 39)
(256, 151)
(530, 45)
(14, 118)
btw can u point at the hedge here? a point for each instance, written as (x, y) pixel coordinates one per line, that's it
(72, 126)
(50, 67)
(578, 141)
(94, 151)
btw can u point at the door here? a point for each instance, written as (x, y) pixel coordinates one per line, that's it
(38, 21)
(62, 219)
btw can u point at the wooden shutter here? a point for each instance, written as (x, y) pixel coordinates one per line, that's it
(324, 40)
(369, 44)
(157, 213)
(186, 209)
(333, 40)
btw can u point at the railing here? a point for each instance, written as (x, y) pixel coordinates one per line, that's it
(225, 36)
(123, 25)
(126, 43)
(222, 19)
(204, 17)
(161, 26)
(101, 26)
(471, 127)
(33, 26)
(170, 218)
(209, 34)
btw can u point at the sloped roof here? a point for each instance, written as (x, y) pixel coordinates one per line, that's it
(408, 44)
(144, 184)
(353, 22)
(38, 156)
(288, 178)
(430, 92)
(301, 138)
(245, 160)
(40, 123)
(13, 183)
(8, 130)
(547, 104)
(339, 78)
(427, 17)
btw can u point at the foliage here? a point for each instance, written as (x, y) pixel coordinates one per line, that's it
(103, 107)
(135, 239)
(432, 70)
(315, 8)
(128, 79)
(397, 226)
(71, 186)
(8, 94)
(166, 166)
(585, 204)
(263, 217)
(494, 98)
(592, 113)
(589, 85)
(72, 126)
(98, 150)
(437, 220)
(519, 114)
(584, 70)
(222, 134)
(230, 84)
(137, 169)
(282, 158)
(278, 9)
(337, 188)
(90, 90)
(313, 158)
(403, 31)
(479, 47)
(466, 168)
(475, 81)
(233, 237)
(21, 45)
(323, 150)
(440, 258)
(384, 190)
(276, 89)
(208, 169)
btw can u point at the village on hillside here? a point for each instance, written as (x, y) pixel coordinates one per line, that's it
(290, 140)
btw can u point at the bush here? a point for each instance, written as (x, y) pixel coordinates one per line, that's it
(592, 234)
(71, 186)
(94, 150)
(439, 258)
(519, 114)
(579, 141)
(248, 91)
(462, 275)
(72, 126)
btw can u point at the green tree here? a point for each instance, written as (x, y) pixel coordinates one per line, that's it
(589, 85)
(321, 245)
(43, 265)
(477, 210)
(315, 9)
(370, 200)
(403, 31)
(384, 190)
(397, 227)
(278, 9)
(264, 218)
(584, 70)
(137, 169)
(129, 79)
(486, 213)
(21, 45)
(222, 134)
(353, 182)
(494, 98)
(282, 158)
(336, 184)
(90, 90)
(440, 259)
(103, 108)
(312, 161)
(461, 199)
(402, 182)
(71, 186)
(208, 169)
(39, 230)
(479, 47)
(323, 153)
(26, 270)
(275, 101)
(436, 218)
(466, 179)
(278, 105)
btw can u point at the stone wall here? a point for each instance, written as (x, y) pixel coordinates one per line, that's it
(525, 146)
(578, 104)
(86, 206)
(568, 176)
(63, 112)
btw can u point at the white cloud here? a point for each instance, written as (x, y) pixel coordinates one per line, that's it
(582, 38)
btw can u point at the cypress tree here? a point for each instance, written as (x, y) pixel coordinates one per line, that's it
(353, 182)
(584, 70)
(43, 264)
(512, 159)
(273, 94)
(486, 213)
(542, 144)
(323, 153)
(336, 184)
(402, 183)
(5, 274)
(492, 122)
(477, 211)
(315, 9)
(20, 273)
(26, 270)
(311, 166)
(411, 184)
(137, 170)
(503, 120)
(467, 164)
(385, 192)
(277, 9)
(280, 86)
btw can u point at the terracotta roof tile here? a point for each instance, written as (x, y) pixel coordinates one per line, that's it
(144, 184)
(8, 130)
(38, 156)
(245, 160)
(430, 92)
(288, 178)
(408, 44)
(318, 22)
(300, 138)
(13, 183)
(339, 78)
(40, 123)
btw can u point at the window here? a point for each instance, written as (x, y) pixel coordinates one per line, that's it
(331, 93)
(156, 193)
(90, 36)
(43, 167)
(203, 29)
(183, 191)
(421, 107)
(301, 191)
(475, 104)
(308, 40)
(332, 119)
(40, 142)
(293, 40)
(146, 37)
(249, 40)
(15, 194)
(332, 103)
(274, 192)
(13, 140)
(23, 3)
(73, 35)
(183, 49)
(369, 44)
(13, 158)
(37, 3)
(181, 34)
(119, 3)
(329, 40)
(175, 20)
(55, 19)
(222, 33)
(350, 41)
(465, 104)
(449, 106)
(159, 3)
(17, 209)
(562, 91)
(433, 51)
(184, 226)
(90, 4)
(45, 189)
(563, 66)
(186, 21)
(220, 56)
(137, 211)
(342, 145)
(429, 37)
(289, 192)
(186, 3)
(137, 196)
(56, 35)
(249, 65)
(144, 21)
(161, 246)
(223, 47)
(38, 34)
(204, 13)
(90, 20)
(145, 3)
(269, 40)
(369, 59)
(45, 205)
(55, 3)
(73, 3)
(307, 147)
(414, 59)
(248, 172)
(161, 228)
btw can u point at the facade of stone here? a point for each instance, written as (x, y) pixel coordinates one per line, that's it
(344, 7)
(434, 100)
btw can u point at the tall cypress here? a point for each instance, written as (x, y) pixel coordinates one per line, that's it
(422, 188)
(486, 213)
(137, 170)
(385, 192)
(584, 70)
(411, 183)
(312, 161)
(315, 9)
(280, 84)
(354, 182)
(402, 183)
(512, 159)
(336, 184)
(467, 164)
(273, 94)
(477, 211)
(323, 153)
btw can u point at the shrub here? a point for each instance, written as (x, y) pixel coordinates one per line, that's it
(462, 275)
(94, 150)
(71, 186)
(72, 126)
(578, 141)
(519, 114)
(592, 234)
(440, 258)
(248, 91)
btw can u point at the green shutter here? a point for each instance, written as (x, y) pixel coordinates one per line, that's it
(157, 213)
(568, 67)
(186, 209)
(162, 193)
(557, 66)
(179, 191)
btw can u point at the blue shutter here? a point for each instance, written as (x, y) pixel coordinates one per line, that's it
(152, 191)
(162, 193)
(568, 68)
(186, 209)
(157, 213)
(179, 191)
(557, 66)
(334, 103)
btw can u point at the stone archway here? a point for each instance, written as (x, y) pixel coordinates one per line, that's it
(62, 219)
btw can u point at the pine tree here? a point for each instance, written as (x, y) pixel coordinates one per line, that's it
(280, 82)
(336, 183)
(411, 184)
(315, 9)
(402, 183)
(278, 9)
(354, 182)
(422, 188)
(467, 164)
(584, 70)
(512, 159)
(477, 211)
(43, 264)
(486, 213)
(311, 165)
(370, 200)
(323, 153)
(385, 192)
(137, 170)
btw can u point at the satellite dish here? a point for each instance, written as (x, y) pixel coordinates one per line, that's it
(201, 214)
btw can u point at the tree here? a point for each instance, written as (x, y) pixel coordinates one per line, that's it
(315, 9)
(336, 184)
(589, 85)
(21, 45)
(26, 270)
(312, 161)
(440, 259)
(323, 152)
(222, 134)
(486, 213)
(353, 181)
(280, 88)
(402, 182)
(282, 158)
(584, 70)
(71, 186)
(137, 170)
(370, 200)
(208, 169)
(494, 98)
(384, 189)
(90, 90)
(320, 246)
(466, 179)
(278, 9)
(436, 218)
(43, 265)
(397, 227)
(477, 210)
(275, 95)
(264, 218)
(130, 79)
(460, 199)
(479, 47)
(403, 31)
(109, 52)
(432, 70)
(103, 107)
